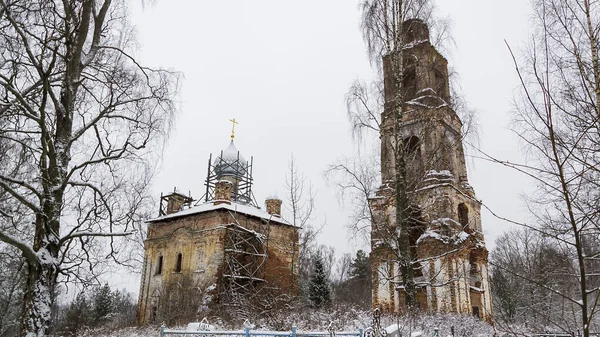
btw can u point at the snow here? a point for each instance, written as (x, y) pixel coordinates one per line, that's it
(476, 289)
(435, 179)
(430, 234)
(378, 242)
(461, 237)
(393, 329)
(45, 258)
(433, 186)
(234, 207)
(427, 90)
(200, 326)
(446, 222)
(456, 239)
(344, 319)
(414, 43)
(419, 102)
(230, 154)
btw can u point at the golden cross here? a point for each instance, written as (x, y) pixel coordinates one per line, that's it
(233, 123)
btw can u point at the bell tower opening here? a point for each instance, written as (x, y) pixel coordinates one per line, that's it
(463, 215)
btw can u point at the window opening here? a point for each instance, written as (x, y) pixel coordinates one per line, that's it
(159, 265)
(463, 214)
(178, 264)
(476, 312)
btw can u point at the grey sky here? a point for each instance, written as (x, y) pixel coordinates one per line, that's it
(282, 68)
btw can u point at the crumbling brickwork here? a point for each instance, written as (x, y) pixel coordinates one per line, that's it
(222, 247)
(446, 240)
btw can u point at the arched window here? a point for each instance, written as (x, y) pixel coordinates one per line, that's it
(463, 214)
(409, 84)
(412, 145)
(159, 265)
(178, 263)
(413, 161)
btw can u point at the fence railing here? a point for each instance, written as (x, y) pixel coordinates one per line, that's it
(164, 332)
(572, 334)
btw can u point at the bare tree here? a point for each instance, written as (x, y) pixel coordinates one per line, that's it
(301, 205)
(356, 180)
(527, 269)
(79, 120)
(12, 281)
(557, 118)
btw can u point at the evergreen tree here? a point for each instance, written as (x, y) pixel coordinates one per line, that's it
(361, 266)
(78, 314)
(103, 303)
(361, 279)
(319, 290)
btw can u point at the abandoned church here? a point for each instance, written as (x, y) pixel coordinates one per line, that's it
(448, 257)
(433, 260)
(223, 246)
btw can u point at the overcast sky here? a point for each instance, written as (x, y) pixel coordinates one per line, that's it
(282, 69)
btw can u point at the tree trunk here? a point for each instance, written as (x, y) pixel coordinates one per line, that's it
(402, 203)
(39, 297)
(595, 60)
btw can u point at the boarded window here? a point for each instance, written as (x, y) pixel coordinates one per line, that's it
(159, 265)
(178, 263)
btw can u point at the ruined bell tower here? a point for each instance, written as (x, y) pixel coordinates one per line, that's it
(446, 244)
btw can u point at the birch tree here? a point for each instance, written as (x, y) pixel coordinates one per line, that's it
(527, 269)
(301, 205)
(385, 25)
(383, 32)
(557, 118)
(79, 121)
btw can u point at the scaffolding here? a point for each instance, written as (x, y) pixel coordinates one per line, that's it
(236, 170)
(173, 202)
(245, 263)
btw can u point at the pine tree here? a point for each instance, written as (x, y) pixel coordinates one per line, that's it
(78, 314)
(360, 282)
(360, 266)
(319, 290)
(103, 303)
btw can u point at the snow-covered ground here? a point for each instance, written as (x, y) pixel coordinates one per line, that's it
(343, 320)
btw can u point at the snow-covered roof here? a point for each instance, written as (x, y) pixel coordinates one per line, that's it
(234, 207)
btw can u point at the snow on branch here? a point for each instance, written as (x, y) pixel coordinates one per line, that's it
(27, 250)
(22, 199)
(92, 234)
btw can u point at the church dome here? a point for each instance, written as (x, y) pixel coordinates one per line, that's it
(230, 162)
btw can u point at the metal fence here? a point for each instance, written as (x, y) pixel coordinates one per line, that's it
(572, 334)
(164, 332)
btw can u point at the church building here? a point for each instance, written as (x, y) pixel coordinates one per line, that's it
(223, 246)
(448, 256)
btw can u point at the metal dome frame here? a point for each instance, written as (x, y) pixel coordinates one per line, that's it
(238, 168)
